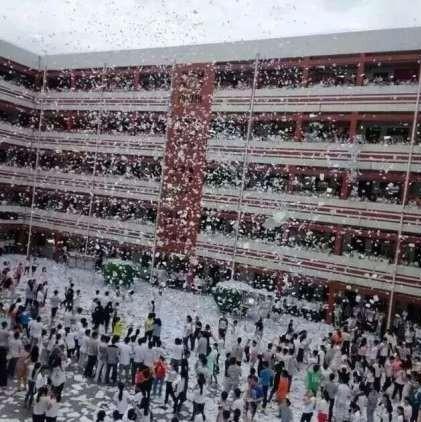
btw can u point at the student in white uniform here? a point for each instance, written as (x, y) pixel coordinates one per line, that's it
(40, 405)
(121, 400)
(52, 408)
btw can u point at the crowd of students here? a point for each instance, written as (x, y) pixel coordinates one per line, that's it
(352, 375)
(131, 167)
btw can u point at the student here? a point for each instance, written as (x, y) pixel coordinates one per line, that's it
(101, 415)
(355, 414)
(41, 379)
(57, 378)
(266, 377)
(283, 386)
(199, 398)
(92, 355)
(130, 416)
(232, 375)
(237, 350)
(253, 395)
(52, 408)
(178, 352)
(222, 328)
(121, 399)
(387, 409)
(40, 405)
(108, 312)
(238, 402)
(69, 339)
(117, 416)
(143, 382)
(15, 351)
(401, 414)
(22, 367)
(323, 407)
(172, 382)
(33, 371)
(254, 353)
(138, 356)
(308, 407)
(54, 304)
(312, 380)
(372, 401)
(285, 412)
(156, 332)
(188, 333)
(213, 364)
(182, 387)
(342, 399)
(102, 359)
(149, 326)
(259, 329)
(160, 371)
(113, 354)
(223, 406)
(124, 366)
(29, 293)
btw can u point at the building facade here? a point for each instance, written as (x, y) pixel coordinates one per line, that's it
(287, 162)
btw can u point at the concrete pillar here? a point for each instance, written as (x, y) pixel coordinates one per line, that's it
(338, 242)
(306, 72)
(298, 133)
(72, 80)
(346, 185)
(361, 70)
(185, 158)
(136, 79)
(353, 125)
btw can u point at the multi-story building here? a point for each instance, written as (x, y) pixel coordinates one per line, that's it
(285, 160)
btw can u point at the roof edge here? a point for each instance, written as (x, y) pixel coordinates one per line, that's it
(19, 55)
(353, 42)
(377, 40)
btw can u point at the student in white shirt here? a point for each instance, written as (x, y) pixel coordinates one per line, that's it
(139, 353)
(58, 378)
(124, 361)
(121, 399)
(33, 370)
(40, 405)
(69, 340)
(149, 356)
(35, 330)
(199, 398)
(41, 380)
(15, 352)
(178, 352)
(52, 408)
(172, 382)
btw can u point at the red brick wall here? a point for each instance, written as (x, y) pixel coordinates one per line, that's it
(185, 158)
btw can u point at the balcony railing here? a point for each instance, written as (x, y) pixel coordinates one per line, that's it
(320, 99)
(309, 208)
(100, 185)
(18, 94)
(139, 234)
(147, 145)
(326, 155)
(355, 271)
(369, 98)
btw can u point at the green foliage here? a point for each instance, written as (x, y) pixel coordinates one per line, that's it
(119, 273)
(227, 299)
